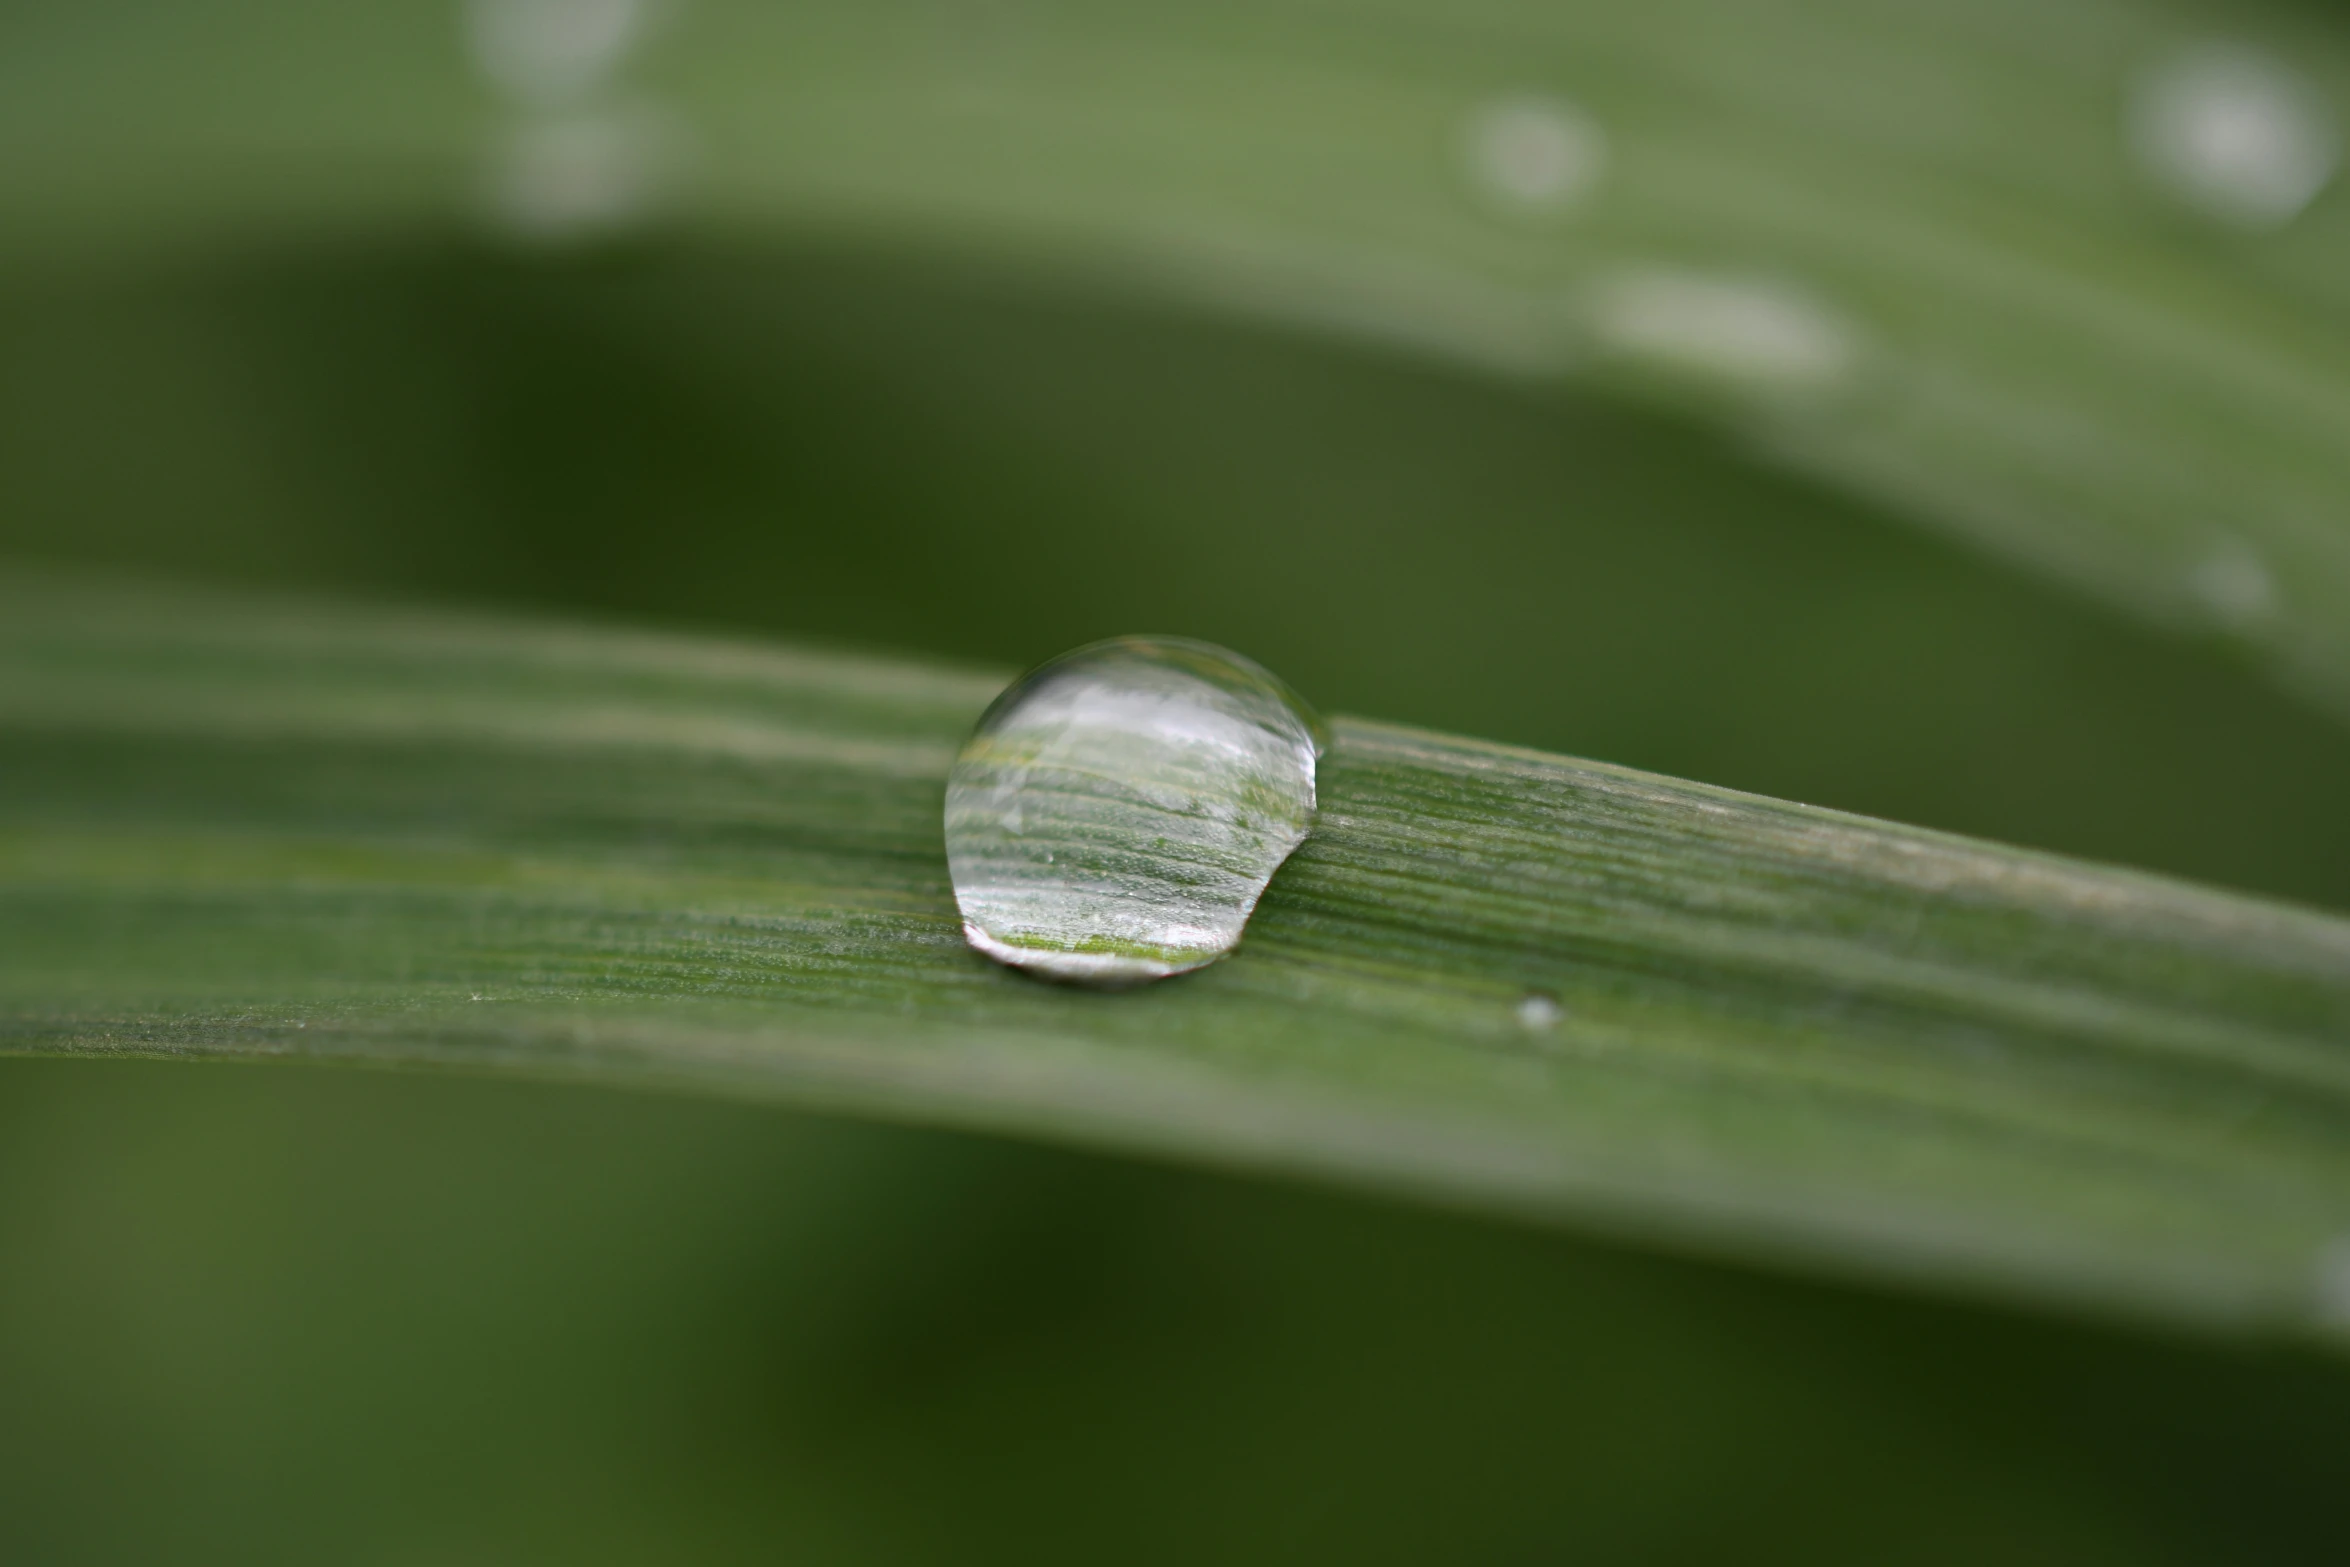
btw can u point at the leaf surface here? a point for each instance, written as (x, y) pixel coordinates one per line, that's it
(1518, 982)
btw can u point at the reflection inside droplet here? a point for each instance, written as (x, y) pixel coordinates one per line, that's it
(1534, 153)
(2234, 133)
(1117, 813)
(1540, 1011)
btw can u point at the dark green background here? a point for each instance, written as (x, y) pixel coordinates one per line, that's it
(298, 1314)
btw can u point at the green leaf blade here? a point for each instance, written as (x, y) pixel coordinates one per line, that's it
(245, 827)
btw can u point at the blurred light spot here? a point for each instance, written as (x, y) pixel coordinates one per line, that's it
(582, 176)
(2234, 584)
(1749, 331)
(2234, 133)
(549, 50)
(1535, 154)
(1540, 1011)
(2331, 1286)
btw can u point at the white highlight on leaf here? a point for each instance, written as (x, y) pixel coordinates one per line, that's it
(1753, 332)
(2235, 585)
(1540, 1011)
(546, 51)
(1534, 153)
(2234, 133)
(582, 176)
(2330, 1286)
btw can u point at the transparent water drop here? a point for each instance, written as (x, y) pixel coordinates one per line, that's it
(2235, 133)
(568, 177)
(547, 51)
(2330, 1301)
(1118, 811)
(1534, 153)
(2234, 586)
(1749, 332)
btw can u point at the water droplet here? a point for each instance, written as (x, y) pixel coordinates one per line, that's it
(1117, 813)
(2234, 133)
(1534, 153)
(546, 51)
(1540, 1011)
(1748, 331)
(2235, 586)
(579, 176)
(2330, 1286)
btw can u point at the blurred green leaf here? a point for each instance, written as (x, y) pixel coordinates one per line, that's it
(931, 326)
(1505, 979)
(1926, 252)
